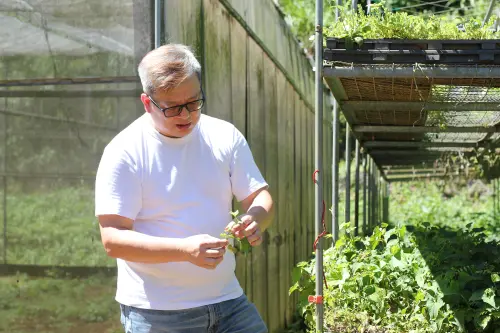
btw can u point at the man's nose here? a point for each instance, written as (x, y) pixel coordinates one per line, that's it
(185, 114)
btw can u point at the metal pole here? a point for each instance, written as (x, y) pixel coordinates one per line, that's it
(318, 74)
(335, 171)
(495, 198)
(498, 196)
(347, 174)
(386, 203)
(4, 178)
(356, 191)
(354, 5)
(488, 12)
(369, 195)
(365, 185)
(337, 10)
(372, 195)
(157, 23)
(375, 192)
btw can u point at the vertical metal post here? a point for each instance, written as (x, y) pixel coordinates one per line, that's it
(4, 180)
(354, 4)
(495, 198)
(365, 186)
(337, 10)
(158, 29)
(368, 5)
(347, 174)
(356, 190)
(374, 194)
(335, 171)
(318, 75)
(370, 192)
(4, 169)
(386, 203)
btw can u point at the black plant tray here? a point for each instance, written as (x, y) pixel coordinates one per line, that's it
(386, 51)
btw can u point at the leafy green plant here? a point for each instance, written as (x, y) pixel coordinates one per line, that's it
(240, 245)
(382, 24)
(436, 268)
(384, 278)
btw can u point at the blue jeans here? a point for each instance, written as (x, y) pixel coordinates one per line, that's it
(234, 316)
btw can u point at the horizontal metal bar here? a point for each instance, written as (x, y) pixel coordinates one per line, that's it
(381, 106)
(419, 150)
(409, 153)
(46, 175)
(419, 176)
(408, 170)
(69, 93)
(420, 71)
(425, 129)
(416, 144)
(48, 270)
(52, 118)
(409, 179)
(68, 81)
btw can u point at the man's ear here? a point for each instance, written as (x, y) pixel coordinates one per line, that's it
(146, 102)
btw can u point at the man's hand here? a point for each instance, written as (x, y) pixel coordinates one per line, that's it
(248, 228)
(205, 251)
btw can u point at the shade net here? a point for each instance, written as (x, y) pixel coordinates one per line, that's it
(68, 85)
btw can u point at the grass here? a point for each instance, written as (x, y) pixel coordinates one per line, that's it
(56, 226)
(58, 305)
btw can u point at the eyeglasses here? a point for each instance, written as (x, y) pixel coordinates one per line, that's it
(176, 110)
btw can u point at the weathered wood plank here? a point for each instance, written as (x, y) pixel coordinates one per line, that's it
(239, 6)
(238, 109)
(310, 189)
(273, 235)
(282, 205)
(290, 184)
(257, 142)
(238, 75)
(307, 178)
(297, 152)
(217, 60)
(183, 24)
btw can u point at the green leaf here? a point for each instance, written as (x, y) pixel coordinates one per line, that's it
(396, 251)
(489, 297)
(434, 307)
(495, 277)
(486, 295)
(396, 263)
(420, 278)
(482, 321)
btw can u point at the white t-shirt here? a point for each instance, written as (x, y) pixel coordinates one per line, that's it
(176, 188)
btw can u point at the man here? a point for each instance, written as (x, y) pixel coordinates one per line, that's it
(164, 189)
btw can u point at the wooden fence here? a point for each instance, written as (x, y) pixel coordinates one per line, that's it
(256, 76)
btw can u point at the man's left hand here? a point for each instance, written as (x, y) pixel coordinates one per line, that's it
(248, 228)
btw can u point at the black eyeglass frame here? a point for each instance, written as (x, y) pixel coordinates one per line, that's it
(180, 106)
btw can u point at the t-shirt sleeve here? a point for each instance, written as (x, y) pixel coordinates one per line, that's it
(246, 177)
(117, 186)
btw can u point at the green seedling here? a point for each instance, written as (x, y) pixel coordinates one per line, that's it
(240, 245)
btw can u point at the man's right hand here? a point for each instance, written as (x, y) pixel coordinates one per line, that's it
(205, 251)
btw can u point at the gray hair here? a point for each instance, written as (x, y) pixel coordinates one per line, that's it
(166, 67)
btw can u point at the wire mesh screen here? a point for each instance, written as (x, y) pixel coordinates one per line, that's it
(68, 84)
